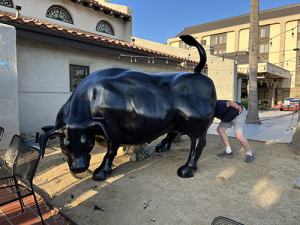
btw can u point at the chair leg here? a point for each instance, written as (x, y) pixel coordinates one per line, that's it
(19, 194)
(37, 205)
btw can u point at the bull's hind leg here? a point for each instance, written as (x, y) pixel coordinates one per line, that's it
(197, 145)
(165, 144)
(112, 150)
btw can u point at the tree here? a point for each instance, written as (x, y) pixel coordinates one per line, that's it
(252, 116)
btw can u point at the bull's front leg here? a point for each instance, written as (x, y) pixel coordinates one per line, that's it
(165, 144)
(197, 145)
(101, 172)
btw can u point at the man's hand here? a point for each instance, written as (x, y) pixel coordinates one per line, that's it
(234, 105)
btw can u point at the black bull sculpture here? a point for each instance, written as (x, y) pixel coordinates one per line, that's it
(117, 106)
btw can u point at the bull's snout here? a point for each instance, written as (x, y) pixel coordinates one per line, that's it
(80, 165)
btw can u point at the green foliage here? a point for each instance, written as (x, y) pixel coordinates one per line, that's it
(142, 152)
(245, 103)
(263, 107)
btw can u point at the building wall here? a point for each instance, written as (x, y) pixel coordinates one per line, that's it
(44, 80)
(224, 75)
(274, 50)
(172, 50)
(230, 44)
(9, 109)
(244, 40)
(290, 56)
(37, 9)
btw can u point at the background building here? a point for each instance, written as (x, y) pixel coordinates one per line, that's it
(279, 55)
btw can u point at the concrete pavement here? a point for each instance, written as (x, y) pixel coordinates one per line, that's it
(277, 127)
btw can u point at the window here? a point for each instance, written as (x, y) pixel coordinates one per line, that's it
(213, 40)
(264, 48)
(222, 39)
(77, 74)
(265, 32)
(219, 42)
(7, 3)
(181, 44)
(104, 27)
(59, 13)
(184, 45)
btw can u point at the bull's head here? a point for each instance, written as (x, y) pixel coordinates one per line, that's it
(76, 141)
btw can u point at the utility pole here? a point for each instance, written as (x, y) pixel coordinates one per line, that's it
(252, 116)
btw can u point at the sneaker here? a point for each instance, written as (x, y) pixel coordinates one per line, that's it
(249, 158)
(226, 155)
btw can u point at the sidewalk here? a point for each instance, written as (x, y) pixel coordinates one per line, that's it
(276, 127)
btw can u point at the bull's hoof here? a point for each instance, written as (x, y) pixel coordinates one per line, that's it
(185, 172)
(160, 148)
(99, 175)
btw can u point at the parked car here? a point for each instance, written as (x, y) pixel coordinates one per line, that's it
(290, 104)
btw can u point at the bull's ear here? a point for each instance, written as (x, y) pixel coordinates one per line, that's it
(44, 138)
(97, 125)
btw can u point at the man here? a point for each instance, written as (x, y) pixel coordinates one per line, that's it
(232, 114)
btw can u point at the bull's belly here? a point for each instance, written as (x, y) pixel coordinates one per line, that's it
(136, 136)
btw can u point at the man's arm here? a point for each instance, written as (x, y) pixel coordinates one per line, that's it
(234, 105)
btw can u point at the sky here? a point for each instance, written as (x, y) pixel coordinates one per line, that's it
(158, 20)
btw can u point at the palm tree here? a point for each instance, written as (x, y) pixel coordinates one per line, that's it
(252, 116)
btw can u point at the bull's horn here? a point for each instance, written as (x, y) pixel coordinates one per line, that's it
(190, 40)
(100, 125)
(44, 138)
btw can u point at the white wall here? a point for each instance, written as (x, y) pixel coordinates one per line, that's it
(9, 114)
(44, 83)
(84, 18)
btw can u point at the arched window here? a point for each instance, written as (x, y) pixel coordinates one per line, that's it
(104, 27)
(59, 13)
(7, 3)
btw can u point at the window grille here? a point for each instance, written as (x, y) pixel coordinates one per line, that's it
(104, 27)
(59, 13)
(7, 3)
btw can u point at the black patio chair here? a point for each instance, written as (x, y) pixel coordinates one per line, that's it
(220, 220)
(1, 132)
(6, 163)
(24, 169)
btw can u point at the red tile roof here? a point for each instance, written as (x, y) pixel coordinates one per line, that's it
(82, 34)
(102, 7)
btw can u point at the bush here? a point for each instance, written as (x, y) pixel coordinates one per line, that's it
(245, 103)
(263, 107)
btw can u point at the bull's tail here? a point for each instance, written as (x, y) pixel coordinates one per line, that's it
(190, 40)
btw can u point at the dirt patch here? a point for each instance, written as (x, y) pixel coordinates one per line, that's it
(262, 192)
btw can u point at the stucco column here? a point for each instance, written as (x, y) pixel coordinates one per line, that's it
(9, 110)
(282, 43)
(271, 95)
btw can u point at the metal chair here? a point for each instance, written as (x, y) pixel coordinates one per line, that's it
(1, 132)
(6, 163)
(24, 169)
(220, 220)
